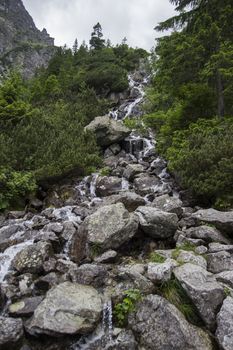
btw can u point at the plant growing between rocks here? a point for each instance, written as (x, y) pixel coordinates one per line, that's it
(121, 310)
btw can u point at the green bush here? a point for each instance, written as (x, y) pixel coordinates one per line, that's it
(121, 310)
(202, 158)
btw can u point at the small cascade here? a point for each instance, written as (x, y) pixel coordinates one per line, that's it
(124, 184)
(107, 320)
(66, 214)
(8, 256)
(93, 185)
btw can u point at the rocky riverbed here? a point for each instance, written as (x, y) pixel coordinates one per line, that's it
(125, 238)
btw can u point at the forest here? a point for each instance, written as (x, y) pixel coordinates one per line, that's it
(188, 105)
(190, 101)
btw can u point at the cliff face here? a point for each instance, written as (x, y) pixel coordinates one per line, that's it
(22, 45)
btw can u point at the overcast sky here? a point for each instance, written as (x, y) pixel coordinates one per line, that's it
(67, 19)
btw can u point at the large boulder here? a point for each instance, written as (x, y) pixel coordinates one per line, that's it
(224, 331)
(156, 223)
(132, 170)
(68, 308)
(131, 200)
(202, 288)
(32, 258)
(222, 220)
(108, 131)
(110, 227)
(11, 333)
(161, 326)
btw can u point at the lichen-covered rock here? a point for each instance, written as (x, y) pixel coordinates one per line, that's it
(156, 223)
(110, 227)
(24, 307)
(224, 331)
(202, 288)
(190, 257)
(108, 131)
(132, 170)
(68, 308)
(146, 184)
(32, 258)
(161, 326)
(11, 333)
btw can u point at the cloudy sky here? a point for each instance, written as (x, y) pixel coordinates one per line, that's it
(67, 19)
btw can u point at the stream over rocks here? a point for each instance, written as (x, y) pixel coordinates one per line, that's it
(117, 260)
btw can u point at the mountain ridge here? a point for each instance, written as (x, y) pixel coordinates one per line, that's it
(22, 45)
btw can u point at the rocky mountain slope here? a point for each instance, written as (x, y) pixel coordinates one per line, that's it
(22, 45)
(117, 260)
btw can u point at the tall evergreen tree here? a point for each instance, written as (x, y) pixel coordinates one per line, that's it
(97, 42)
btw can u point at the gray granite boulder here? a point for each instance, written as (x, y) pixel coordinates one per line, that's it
(224, 331)
(67, 309)
(220, 219)
(161, 326)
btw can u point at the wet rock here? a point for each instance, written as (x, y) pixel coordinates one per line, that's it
(201, 286)
(207, 234)
(55, 227)
(219, 262)
(146, 184)
(24, 307)
(224, 331)
(107, 257)
(156, 223)
(161, 326)
(108, 185)
(108, 131)
(31, 258)
(11, 333)
(115, 148)
(161, 272)
(19, 214)
(221, 220)
(190, 257)
(132, 170)
(68, 308)
(110, 227)
(6, 232)
(158, 165)
(169, 204)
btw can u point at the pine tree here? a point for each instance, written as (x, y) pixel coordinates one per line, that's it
(96, 41)
(75, 46)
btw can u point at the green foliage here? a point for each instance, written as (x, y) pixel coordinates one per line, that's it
(202, 157)
(186, 246)
(106, 171)
(175, 294)
(192, 83)
(13, 185)
(156, 258)
(121, 310)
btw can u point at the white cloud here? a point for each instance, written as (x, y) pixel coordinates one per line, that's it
(67, 19)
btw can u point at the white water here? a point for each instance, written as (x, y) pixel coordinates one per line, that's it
(66, 214)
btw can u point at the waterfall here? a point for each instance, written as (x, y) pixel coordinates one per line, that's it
(107, 320)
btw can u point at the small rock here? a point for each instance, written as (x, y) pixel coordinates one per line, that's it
(190, 257)
(107, 257)
(159, 273)
(220, 261)
(169, 204)
(220, 219)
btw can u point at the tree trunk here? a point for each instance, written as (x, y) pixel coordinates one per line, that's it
(221, 104)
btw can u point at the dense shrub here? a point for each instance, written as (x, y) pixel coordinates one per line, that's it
(202, 158)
